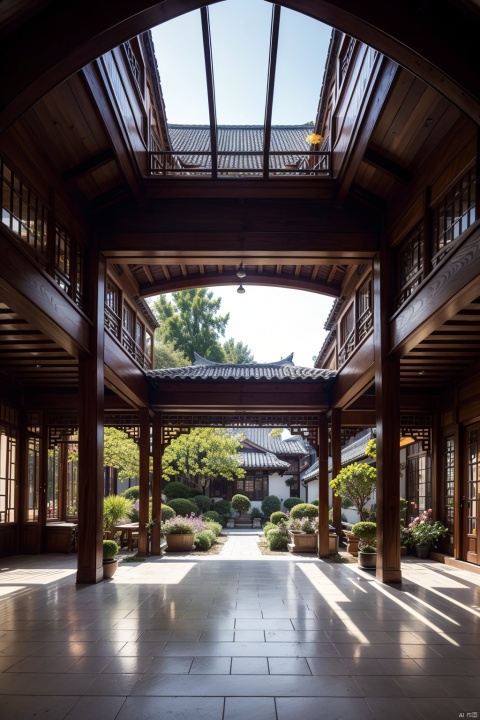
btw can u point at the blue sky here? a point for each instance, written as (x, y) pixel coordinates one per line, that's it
(272, 322)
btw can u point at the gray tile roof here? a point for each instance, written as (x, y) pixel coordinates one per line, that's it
(240, 138)
(266, 460)
(207, 370)
(353, 452)
(260, 437)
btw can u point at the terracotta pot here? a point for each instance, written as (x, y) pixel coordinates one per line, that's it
(109, 568)
(180, 543)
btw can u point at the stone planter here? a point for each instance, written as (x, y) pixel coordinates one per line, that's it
(109, 568)
(180, 542)
(367, 561)
(352, 544)
(333, 544)
(303, 542)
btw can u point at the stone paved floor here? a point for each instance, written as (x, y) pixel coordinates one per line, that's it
(237, 636)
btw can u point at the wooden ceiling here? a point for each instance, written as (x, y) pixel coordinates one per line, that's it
(70, 137)
(30, 358)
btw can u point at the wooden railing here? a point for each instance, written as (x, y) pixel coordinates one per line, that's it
(113, 326)
(232, 163)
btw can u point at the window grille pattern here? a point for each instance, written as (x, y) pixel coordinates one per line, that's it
(410, 264)
(449, 486)
(7, 475)
(33, 479)
(453, 215)
(24, 213)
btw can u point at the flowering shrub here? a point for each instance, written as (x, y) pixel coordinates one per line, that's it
(304, 524)
(182, 525)
(423, 531)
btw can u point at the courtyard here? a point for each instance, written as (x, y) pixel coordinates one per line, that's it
(238, 635)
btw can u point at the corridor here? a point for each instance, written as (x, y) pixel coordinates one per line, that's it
(237, 636)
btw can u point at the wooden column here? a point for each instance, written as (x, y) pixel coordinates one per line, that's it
(157, 443)
(336, 438)
(323, 542)
(144, 481)
(387, 400)
(90, 432)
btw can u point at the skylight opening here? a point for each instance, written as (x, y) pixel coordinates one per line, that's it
(240, 43)
(302, 54)
(181, 65)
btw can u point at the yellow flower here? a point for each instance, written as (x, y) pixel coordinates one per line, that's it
(314, 139)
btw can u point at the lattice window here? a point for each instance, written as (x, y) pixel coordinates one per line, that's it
(24, 213)
(63, 253)
(449, 486)
(364, 309)
(454, 213)
(7, 475)
(347, 334)
(410, 264)
(254, 485)
(33, 479)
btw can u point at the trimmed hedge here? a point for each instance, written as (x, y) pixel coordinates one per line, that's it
(304, 510)
(132, 493)
(241, 503)
(203, 540)
(176, 490)
(203, 503)
(167, 512)
(110, 549)
(270, 505)
(223, 507)
(289, 503)
(183, 507)
(215, 527)
(277, 540)
(269, 526)
(211, 515)
(278, 517)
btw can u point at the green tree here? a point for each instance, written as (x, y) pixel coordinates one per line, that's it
(202, 455)
(236, 353)
(356, 481)
(190, 321)
(121, 452)
(165, 355)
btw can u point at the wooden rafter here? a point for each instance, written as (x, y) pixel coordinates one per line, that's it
(331, 274)
(148, 273)
(166, 271)
(207, 49)
(272, 64)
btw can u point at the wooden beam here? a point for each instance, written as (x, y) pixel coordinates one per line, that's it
(417, 45)
(450, 288)
(34, 295)
(272, 64)
(92, 163)
(148, 273)
(207, 50)
(331, 274)
(373, 100)
(263, 280)
(380, 162)
(336, 452)
(97, 82)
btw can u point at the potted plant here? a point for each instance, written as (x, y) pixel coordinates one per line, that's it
(110, 562)
(115, 508)
(367, 551)
(422, 532)
(303, 534)
(180, 532)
